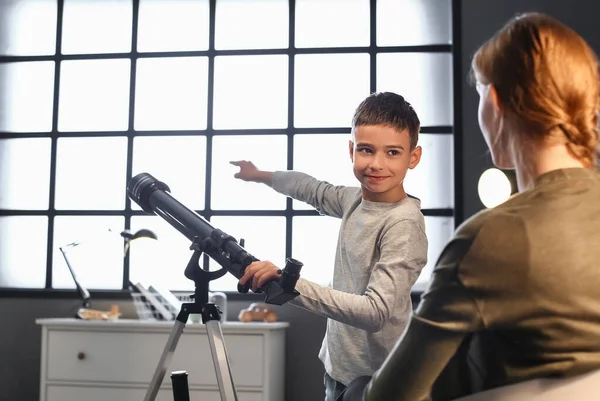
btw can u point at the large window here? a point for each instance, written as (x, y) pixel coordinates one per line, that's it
(93, 92)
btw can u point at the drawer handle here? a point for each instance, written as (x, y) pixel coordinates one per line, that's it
(81, 356)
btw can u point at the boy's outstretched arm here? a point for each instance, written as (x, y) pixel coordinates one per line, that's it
(328, 199)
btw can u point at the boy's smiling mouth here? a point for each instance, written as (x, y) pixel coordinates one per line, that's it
(376, 178)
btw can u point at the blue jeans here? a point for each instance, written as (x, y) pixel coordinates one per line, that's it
(333, 388)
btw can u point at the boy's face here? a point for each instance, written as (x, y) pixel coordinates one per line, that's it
(381, 156)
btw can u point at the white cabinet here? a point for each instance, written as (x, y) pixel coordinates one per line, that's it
(115, 360)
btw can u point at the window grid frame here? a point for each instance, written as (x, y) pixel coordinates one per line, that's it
(289, 213)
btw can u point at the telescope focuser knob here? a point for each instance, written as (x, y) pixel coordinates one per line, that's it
(243, 289)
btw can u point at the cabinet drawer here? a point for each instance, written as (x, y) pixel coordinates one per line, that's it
(83, 393)
(121, 357)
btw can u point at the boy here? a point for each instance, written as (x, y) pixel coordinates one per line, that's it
(382, 245)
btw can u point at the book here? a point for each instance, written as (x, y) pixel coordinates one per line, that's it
(166, 298)
(159, 310)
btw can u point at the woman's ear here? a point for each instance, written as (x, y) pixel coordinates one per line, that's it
(495, 99)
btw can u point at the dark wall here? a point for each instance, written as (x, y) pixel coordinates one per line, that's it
(480, 20)
(20, 336)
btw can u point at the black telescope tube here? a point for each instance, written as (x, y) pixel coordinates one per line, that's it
(152, 196)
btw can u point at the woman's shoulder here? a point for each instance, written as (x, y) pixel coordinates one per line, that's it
(502, 215)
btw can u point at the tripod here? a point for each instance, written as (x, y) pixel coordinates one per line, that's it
(211, 318)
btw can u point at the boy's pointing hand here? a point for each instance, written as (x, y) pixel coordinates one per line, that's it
(247, 170)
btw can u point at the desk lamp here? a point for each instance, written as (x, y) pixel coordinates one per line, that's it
(128, 236)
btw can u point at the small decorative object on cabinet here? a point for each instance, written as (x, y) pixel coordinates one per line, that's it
(114, 360)
(257, 312)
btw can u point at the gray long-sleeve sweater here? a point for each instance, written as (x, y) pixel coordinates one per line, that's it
(381, 250)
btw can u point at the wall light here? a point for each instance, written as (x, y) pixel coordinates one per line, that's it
(494, 187)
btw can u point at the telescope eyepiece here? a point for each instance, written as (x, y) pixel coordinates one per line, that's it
(293, 266)
(290, 274)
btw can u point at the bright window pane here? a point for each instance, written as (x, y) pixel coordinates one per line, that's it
(332, 23)
(432, 180)
(177, 161)
(251, 92)
(26, 96)
(90, 173)
(325, 157)
(243, 24)
(314, 241)
(23, 245)
(424, 79)
(171, 93)
(268, 152)
(163, 260)
(423, 22)
(94, 95)
(264, 239)
(24, 173)
(439, 230)
(328, 88)
(172, 25)
(92, 26)
(97, 261)
(28, 27)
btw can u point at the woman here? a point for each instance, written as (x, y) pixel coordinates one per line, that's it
(515, 294)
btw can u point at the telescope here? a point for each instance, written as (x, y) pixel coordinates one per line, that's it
(153, 196)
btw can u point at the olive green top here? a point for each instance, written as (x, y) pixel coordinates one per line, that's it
(515, 295)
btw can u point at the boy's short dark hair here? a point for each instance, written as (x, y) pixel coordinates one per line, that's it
(390, 109)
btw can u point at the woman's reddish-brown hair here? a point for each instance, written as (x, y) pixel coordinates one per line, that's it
(546, 75)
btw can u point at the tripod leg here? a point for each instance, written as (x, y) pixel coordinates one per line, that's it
(165, 360)
(219, 355)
